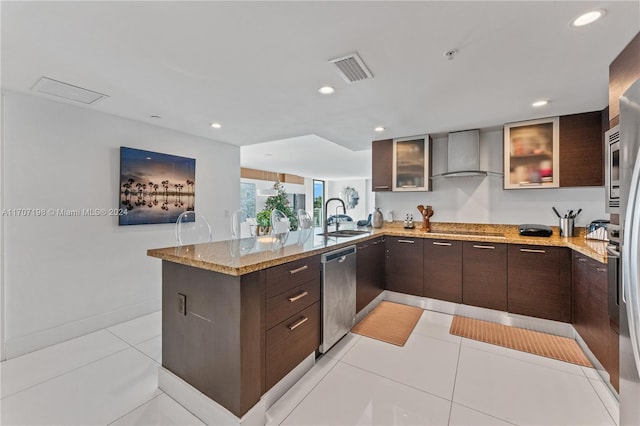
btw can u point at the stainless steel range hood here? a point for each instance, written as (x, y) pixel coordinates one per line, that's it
(463, 154)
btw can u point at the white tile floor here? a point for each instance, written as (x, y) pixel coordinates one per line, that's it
(110, 378)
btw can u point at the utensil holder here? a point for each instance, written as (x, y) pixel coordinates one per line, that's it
(566, 227)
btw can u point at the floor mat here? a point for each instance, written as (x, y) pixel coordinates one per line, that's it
(547, 345)
(389, 322)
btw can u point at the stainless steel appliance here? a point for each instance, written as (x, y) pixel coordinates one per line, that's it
(612, 170)
(630, 256)
(338, 295)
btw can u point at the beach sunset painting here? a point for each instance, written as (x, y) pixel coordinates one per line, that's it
(155, 187)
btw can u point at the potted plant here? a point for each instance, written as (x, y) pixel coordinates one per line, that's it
(264, 221)
(280, 202)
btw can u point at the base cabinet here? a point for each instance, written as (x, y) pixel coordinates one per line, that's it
(591, 316)
(292, 316)
(369, 271)
(443, 270)
(403, 265)
(484, 275)
(540, 282)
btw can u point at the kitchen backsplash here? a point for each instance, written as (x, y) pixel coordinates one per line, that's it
(483, 200)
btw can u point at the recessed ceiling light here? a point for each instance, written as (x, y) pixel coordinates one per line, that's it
(379, 129)
(216, 125)
(326, 90)
(588, 18)
(539, 103)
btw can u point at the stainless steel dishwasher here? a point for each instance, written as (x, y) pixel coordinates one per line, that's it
(338, 295)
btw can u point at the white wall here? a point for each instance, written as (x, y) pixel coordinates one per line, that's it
(362, 210)
(66, 276)
(482, 200)
(289, 188)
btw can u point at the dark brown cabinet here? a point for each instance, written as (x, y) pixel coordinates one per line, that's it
(581, 153)
(443, 270)
(484, 275)
(591, 316)
(292, 316)
(382, 164)
(369, 271)
(540, 282)
(403, 265)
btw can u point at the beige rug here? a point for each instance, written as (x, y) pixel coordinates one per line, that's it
(547, 345)
(389, 322)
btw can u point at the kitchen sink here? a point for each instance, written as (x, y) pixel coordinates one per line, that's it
(344, 233)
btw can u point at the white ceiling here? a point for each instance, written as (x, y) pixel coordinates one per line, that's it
(255, 67)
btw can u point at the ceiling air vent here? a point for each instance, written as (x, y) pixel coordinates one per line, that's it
(352, 68)
(67, 91)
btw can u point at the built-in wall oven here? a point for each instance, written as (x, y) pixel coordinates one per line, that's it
(612, 172)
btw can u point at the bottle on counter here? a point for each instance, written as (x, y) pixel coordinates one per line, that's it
(376, 220)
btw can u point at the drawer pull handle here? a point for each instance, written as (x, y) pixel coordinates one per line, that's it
(363, 247)
(532, 251)
(300, 269)
(382, 187)
(484, 247)
(437, 243)
(582, 259)
(298, 323)
(406, 241)
(601, 270)
(298, 296)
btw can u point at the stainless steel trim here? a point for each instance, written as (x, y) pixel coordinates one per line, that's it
(406, 241)
(298, 296)
(532, 250)
(300, 269)
(438, 243)
(484, 247)
(298, 323)
(612, 251)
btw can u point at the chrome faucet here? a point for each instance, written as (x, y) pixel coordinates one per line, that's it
(344, 208)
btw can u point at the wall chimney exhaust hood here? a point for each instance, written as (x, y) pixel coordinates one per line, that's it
(463, 154)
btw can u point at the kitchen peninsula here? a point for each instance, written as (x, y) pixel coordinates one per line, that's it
(239, 315)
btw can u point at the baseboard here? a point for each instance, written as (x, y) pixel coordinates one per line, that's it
(41, 339)
(530, 323)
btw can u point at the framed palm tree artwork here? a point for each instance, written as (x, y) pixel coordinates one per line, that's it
(155, 187)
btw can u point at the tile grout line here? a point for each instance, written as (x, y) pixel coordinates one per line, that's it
(135, 408)
(394, 381)
(487, 414)
(62, 374)
(358, 337)
(602, 401)
(455, 379)
(307, 393)
(135, 348)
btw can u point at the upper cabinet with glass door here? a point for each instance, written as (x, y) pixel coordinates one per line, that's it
(411, 163)
(532, 154)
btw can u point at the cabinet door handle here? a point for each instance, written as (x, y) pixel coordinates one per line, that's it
(298, 323)
(484, 247)
(363, 247)
(382, 187)
(601, 270)
(406, 241)
(298, 296)
(300, 269)
(438, 243)
(409, 186)
(582, 259)
(532, 251)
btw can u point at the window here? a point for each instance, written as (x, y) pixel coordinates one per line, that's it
(248, 198)
(318, 201)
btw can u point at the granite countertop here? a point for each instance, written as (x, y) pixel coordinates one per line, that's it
(239, 257)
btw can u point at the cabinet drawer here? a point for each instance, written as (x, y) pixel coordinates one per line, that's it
(286, 304)
(290, 342)
(283, 278)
